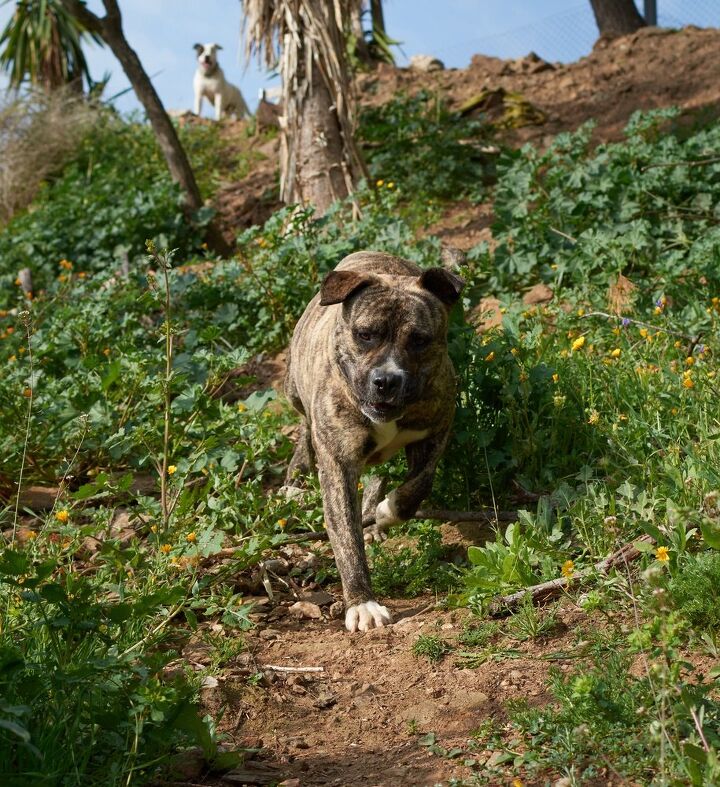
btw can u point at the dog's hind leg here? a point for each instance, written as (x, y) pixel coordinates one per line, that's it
(301, 465)
(373, 493)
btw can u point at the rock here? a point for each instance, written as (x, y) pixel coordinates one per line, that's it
(540, 293)
(290, 783)
(319, 597)
(563, 782)
(426, 63)
(306, 609)
(336, 610)
(209, 682)
(515, 675)
(268, 634)
(486, 314)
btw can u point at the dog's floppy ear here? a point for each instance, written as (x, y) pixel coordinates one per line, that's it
(198, 48)
(217, 46)
(442, 284)
(338, 286)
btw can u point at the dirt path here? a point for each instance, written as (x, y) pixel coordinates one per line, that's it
(361, 720)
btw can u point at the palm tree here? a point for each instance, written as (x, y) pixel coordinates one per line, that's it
(306, 39)
(42, 44)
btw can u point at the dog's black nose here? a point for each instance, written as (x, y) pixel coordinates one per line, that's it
(386, 383)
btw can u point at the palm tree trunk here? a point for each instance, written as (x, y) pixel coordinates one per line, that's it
(315, 173)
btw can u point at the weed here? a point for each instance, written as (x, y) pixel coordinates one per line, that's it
(431, 647)
(695, 591)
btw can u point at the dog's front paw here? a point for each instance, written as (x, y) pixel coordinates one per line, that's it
(374, 534)
(365, 616)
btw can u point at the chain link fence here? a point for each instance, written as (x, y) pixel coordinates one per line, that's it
(570, 34)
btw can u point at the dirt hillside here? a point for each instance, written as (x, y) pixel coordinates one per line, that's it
(358, 719)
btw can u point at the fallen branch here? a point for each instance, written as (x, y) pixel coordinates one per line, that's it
(544, 591)
(483, 515)
(291, 669)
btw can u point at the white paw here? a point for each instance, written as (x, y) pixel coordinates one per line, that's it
(374, 534)
(365, 616)
(386, 513)
(291, 492)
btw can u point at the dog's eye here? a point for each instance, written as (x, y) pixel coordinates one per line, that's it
(363, 336)
(419, 341)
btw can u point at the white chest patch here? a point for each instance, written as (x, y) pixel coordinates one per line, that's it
(390, 439)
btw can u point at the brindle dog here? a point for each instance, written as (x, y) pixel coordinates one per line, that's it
(370, 373)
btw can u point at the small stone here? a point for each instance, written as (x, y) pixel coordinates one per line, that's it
(320, 597)
(209, 682)
(564, 782)
(336, 610)
(515, 675)
(268, 634)
(540, 293)
(307, 610)
(290, 783)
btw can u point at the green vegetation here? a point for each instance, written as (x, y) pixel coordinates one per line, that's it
(601, 400)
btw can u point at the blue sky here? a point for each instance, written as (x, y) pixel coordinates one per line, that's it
(163, 32)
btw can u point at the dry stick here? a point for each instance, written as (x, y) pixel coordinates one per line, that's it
(292, 669)
(555, 587)
(640, 322)
(483, 515)
(693, 163)
(26, 317)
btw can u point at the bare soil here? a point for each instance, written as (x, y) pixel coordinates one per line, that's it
(357, 722)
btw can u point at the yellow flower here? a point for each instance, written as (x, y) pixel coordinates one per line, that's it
(644, 332)
(688, 383)
(281, 523)
(391, 185)
(515, 351)
(27, 393)
(490, 356)
(674, 411)
(568, 569)
(379, 182)
(66, 264)
(165, 548)
(12, 358)
(662, 554)
(658, 310)
(677, 344)
(153, 528)
(171, 469)
(21, 350)
(578, 344)
(555, 377)
(191, 537)
(616, 331)
(517, 783)
(106, 352)
(689, 361)
(360, 486)
(523, 377)
(32, 535)
(241, 407)
(62, 516)
(594, 418)
(580, 312)
(615, 353)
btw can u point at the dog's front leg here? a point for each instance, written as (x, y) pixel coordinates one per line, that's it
(338, 480)
(403, 502)
(218, 105)
(198, 102)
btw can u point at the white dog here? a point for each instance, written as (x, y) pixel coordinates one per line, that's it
(210, 83)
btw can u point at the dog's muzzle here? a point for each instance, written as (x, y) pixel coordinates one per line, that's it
(386, 393)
